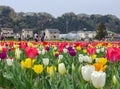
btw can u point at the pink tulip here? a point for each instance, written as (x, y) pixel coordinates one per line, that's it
(113, 54)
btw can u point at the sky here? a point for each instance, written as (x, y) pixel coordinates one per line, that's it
(59, 7)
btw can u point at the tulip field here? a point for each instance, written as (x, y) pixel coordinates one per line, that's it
(59, 65)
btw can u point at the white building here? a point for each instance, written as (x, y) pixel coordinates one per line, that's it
(27, 33)
(78, 35)
(52, 34)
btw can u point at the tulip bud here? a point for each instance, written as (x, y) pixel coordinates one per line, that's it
(45, 61)
(61, 68)
(17, 53)
(73, 67)
(114, 79)
(52, 71)
(0, 49)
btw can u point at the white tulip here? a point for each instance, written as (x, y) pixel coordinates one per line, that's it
(98, 50)
(60, 56)
(61, 68)
(43, 51)
(17, 53)
(81, 58)
(81, 55)
(98, 79)
(87, 71)
(102, 49)
(9, 61)
(55, 48)
(45, 61)
(65, 50)
(88, 59)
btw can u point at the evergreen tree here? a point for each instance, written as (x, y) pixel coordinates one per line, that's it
(101, 31)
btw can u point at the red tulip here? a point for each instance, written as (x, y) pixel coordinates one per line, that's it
(22, 45)
(44, 43)
(113, 54)
(31, 52)
(11, 43)
(91, 50)
(60, 48)
(4, 49)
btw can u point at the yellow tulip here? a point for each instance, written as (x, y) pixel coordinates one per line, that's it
(102, 60)
(84, 51)
(78, 48)
(15, 46)
(30, 44)
(109, 45)
(99, 45)
(38, 68)
(93, 56)
(51, 70)
(28, 63)
(55, 53)
(90, 45)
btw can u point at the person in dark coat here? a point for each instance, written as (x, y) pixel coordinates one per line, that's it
(43, 36)
(2, 37)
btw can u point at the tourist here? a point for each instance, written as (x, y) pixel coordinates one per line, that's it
(36, 37)
(43, 36)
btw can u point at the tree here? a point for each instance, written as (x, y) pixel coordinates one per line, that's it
(101, 31)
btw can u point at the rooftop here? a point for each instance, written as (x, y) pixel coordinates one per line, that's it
(53, 30)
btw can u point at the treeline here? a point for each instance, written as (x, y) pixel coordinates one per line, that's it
(65, 23)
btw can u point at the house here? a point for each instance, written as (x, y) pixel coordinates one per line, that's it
(79, 35)
(86, 34)
(52, 34)
(7, 32)
(63, 36)
(27, 33)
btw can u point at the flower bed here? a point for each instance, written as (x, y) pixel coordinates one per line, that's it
(57, 65)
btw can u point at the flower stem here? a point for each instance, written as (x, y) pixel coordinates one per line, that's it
(64, 81)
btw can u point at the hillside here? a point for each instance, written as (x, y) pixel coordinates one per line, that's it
(65, 23)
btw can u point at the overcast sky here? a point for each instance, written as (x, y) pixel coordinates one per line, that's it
(58, 7)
